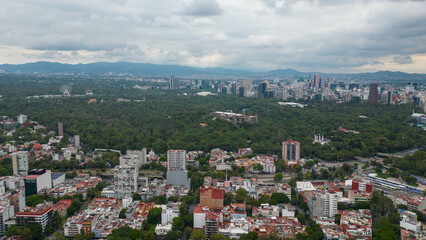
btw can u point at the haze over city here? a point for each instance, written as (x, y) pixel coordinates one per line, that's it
(327, 36)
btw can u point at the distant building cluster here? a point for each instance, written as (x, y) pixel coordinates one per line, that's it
(319, 88)
(257, 164)
(101, 217)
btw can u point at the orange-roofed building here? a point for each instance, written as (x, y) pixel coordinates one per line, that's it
(211, 197)
(61, 206)
(37, 147)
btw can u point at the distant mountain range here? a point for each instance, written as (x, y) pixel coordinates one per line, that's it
(157, 70)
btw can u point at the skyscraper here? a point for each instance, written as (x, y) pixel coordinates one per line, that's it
(267, 84)
(389, 97)
(291, 151)
(176, 168)
(322, 82)
(373, 96)
(174, 83)
(205, 84)
(316, 81)
(261, 90)
(241, 91)
(247, 84)
(234, 89)
(60, 129)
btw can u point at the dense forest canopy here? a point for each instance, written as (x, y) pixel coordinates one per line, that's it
(169, 119)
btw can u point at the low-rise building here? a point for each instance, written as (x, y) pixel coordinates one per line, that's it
(283, 227)
(304, 186)
(408, 221)
(235, 117)
(223, 167)
(42, 214)
(334, 233)
(163, 229)
(61, 206)
(96, 218)
(266, 210)
(359, 196)
(357, 224)
(169, 212)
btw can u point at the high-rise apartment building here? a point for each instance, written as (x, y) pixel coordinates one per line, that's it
(176, 168)
(291, 151)
(20, 163)
(322, 205)
(373, 96)
(125, 180)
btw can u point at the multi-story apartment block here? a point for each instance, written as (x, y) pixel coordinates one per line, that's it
(42, 214)
(20, 163)
(176, 168)
(125, 180)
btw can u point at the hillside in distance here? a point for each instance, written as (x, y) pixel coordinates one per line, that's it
(160, 70)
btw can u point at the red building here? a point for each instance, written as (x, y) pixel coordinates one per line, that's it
(362, 186)
(211, 197)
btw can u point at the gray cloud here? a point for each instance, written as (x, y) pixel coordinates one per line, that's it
(402, 59)
(202, 8)
(308, 35)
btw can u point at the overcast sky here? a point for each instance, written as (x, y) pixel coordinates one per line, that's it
(311, 35)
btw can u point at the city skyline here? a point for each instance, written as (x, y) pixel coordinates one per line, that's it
(327, 36)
